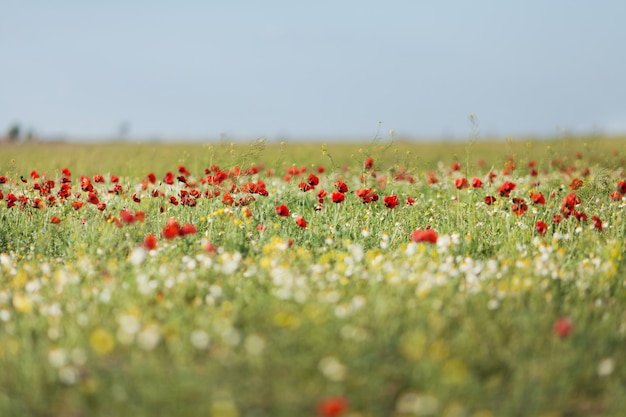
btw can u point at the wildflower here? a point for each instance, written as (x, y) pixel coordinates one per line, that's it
(127, 217)
(169, 178)
(563, 327)
(538, 198)
(101, 341)
(477, 183)
(455, 166)
(541, 227)
(332, 406)
(410, 201)
(575, 184)
(428, 236)
(519, 206)
(489, 200)
(303, 186)
(301, 222)
(461, 183)
(55, 220)
(366, 195)
(321, 195)
(597, 222)
(621, 187)
(391, 201)
(368, 165)
(505, 189)
(77, 204)
(150, 242)
(282, 210)
(171, 229)
(312, 180)
(337, 197)
(341, 186)
(568, 204)
(187, 229)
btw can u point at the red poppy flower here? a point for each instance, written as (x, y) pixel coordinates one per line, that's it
(66, 172)
(580, 215)
(98, 178)
(575, 184)
(187, 229)
(477, 183)
(115, 179)
(3, 179)
(101, 206)
(455, 166)
(538, 198)
(127, 217)
(563, 327)
(391, 201)
(152, 178)
(312, 180)
(461, 183)
(569, 202)
(183, 170)
(55, 220)
(410, 201)
(227, 199)
(556, 219)
(368, 164)
(169, 178)
(303, 186)
(332, 406)
(432, 178)
(301, 222)
(489, 200)
(597, 222)
(174, 200)
(621, 187)
(505, 189)
(136, 199)
(171, 229)
(150, 242)
(337, 197)
(341, 186)
(428, 236)
(616, 196)
(519, 206)
(282, 210)
(77, 204)
(92, 198)
(541, 227)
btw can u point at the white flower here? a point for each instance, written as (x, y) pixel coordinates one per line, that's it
(199, 339)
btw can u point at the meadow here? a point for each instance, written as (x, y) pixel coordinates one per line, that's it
(463, 279)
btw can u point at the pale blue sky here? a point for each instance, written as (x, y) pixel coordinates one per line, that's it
(312, 69)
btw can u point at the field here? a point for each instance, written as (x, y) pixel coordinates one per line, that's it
(476, 279)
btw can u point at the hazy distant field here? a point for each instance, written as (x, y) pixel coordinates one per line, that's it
(475, 279)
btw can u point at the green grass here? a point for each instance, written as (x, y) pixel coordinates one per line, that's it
(279, 319)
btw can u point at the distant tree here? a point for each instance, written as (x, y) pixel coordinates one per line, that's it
(13, 134)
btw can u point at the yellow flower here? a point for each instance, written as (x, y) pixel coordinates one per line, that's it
(22, 303)
(102, 342)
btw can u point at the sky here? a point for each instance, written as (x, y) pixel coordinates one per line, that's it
(324, 69)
